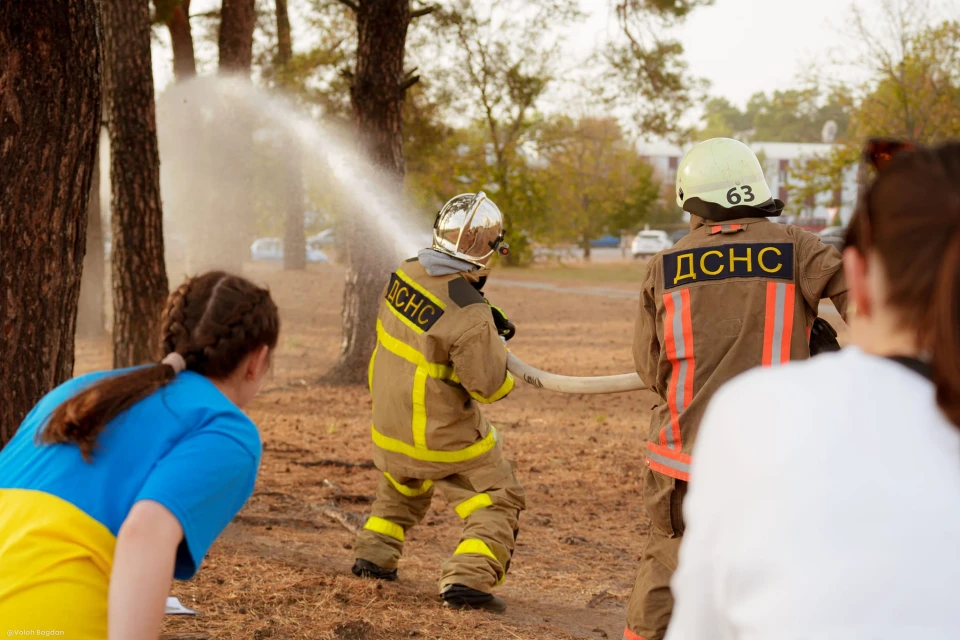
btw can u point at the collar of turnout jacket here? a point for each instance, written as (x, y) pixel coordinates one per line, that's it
(728, 297)
(438, 355)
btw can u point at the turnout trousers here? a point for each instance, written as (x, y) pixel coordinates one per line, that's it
(488, 500)
(651, 603)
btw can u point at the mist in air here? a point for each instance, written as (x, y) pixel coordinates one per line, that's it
(215, 135)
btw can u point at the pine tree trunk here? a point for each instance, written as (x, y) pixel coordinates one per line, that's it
(91, 317)
(284, 41)
(50, 91)
(294, 237)
(237, 20)
(234, 233)
(377, 98)
(176, 15)
(139, 274)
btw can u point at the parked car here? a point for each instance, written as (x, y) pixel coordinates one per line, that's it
(322, 240)
(271, 250)
(604, 242)
(834, 236)
(647, 243)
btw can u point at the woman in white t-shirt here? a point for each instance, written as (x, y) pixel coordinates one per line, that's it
(824, 502)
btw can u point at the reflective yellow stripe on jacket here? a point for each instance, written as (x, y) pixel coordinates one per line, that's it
(425, 370)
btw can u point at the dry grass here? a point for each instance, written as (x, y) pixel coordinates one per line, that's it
(281, 570)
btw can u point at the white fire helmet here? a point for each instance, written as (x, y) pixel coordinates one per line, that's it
(470, 227)
(723, 173)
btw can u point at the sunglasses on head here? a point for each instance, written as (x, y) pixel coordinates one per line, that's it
(877, 153)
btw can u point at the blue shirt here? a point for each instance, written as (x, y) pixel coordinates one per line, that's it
(186, 446)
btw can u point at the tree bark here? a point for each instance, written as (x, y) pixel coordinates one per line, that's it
(294, 237)
(176, 15)
(50, 92)
(377, 99)
(284, 41)
(235, 128)
(237, 20)
(139, 273)
(91, 317)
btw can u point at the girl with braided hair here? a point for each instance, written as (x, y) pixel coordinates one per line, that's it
(119, 481)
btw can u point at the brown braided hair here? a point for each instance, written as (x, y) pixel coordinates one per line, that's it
(214, 321)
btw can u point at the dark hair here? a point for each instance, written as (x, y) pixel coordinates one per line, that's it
(213, 321)
(912, 220)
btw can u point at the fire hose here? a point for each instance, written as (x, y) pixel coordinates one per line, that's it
(573, 384)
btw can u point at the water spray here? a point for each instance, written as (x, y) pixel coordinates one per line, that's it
(195, 162)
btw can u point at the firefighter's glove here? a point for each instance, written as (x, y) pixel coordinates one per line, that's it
(823, 338)
(505, 328)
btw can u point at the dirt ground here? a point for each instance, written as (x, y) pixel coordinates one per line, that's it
(282, 569)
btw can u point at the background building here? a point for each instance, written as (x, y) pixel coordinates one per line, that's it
(781, 161)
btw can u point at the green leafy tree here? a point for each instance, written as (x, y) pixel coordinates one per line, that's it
(795, 115)
(913, 91)
(503, 62)
(597, 182)
(645, 72)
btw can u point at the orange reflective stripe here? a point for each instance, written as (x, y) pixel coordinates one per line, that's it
(669, 462)
(630, 635)
(778, 323)
(667, 435)
(678, 335)
(789, 300)
(688, 345)
(725, 228)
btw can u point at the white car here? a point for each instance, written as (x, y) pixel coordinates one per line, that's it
(648, 243)
(271, 250)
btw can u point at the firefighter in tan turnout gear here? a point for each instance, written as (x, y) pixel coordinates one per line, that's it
(738, 292)
(440, 353)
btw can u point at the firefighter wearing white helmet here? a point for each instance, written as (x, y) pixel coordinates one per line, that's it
(739, 291)
(440, 354)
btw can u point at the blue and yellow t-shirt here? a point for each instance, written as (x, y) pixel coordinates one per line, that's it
(187, 446)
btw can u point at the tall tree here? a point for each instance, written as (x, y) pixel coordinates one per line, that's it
(598, 183)
(176, 15)
(234, 137)
(237, 21)
(139, 273)
(91, 314)
(377, 94)
(645, 72)
(912, 61)
(915, 68)
(294, 238)
(794, 115)
(50, 90)
(504, 60)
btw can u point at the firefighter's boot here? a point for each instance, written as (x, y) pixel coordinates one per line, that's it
(366, 569)
(458, 596)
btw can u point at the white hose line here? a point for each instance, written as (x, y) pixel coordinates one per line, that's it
(573, 384)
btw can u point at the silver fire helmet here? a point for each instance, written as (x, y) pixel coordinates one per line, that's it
(469, 227)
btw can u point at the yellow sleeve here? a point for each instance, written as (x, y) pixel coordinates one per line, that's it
(479, 359)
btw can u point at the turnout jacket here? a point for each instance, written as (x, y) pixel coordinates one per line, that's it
(728, 297)
(438, 355)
